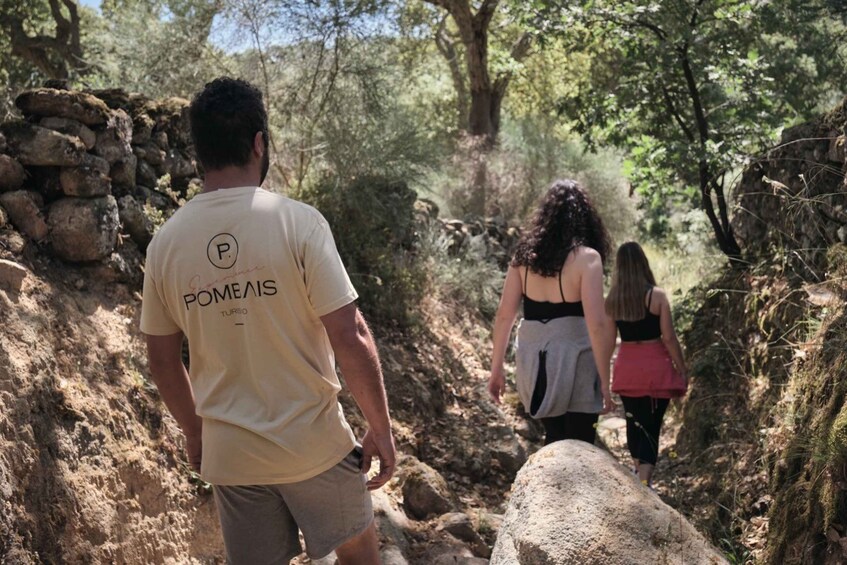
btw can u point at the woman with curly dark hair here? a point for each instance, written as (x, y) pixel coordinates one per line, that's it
(565, 339)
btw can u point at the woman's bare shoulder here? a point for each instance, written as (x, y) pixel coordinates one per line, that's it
(585, 255)
(660, 295)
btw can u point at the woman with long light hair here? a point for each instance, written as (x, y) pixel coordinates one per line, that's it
(649, 368)
(565, 340)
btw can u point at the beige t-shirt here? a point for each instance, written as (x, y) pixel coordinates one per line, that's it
(246, 274)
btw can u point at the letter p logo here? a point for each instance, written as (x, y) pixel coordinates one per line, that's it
(222, 251)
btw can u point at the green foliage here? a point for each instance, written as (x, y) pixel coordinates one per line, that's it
(373, 223)
(532, 153)
(466, 276)
(691, 89)
(160, 48)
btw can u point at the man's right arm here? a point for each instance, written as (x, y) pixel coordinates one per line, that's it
(358, 359)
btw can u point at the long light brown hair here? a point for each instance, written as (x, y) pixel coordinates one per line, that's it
(631, 279)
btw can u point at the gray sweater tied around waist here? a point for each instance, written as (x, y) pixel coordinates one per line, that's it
(556, 371)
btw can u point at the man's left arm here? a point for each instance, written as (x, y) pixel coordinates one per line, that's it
(164, 354)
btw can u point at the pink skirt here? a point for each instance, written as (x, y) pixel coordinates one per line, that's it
(646, 369)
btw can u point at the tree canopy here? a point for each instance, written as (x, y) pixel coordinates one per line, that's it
(482, 102)
(691, 87)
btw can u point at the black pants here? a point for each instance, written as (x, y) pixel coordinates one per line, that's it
(644, 416)
(570, 425)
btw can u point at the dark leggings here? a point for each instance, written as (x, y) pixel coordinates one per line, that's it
(570, 425)
(643, 423)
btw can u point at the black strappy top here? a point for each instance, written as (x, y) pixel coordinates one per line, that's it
(647, 328)
(544, 311)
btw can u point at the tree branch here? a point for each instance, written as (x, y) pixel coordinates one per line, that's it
(675, 115)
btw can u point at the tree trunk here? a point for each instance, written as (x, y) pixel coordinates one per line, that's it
(54, 56)
(447, 48)
(721, 226)
(473, 29)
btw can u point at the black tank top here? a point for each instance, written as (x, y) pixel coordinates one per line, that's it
(647, 328)
(544, 311)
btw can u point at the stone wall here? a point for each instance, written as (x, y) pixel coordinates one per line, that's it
(78, 171)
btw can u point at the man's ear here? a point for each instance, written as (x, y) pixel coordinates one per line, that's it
(259, 147)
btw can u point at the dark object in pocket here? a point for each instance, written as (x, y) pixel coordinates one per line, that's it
(356, 456)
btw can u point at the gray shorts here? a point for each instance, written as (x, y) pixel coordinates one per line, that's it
(260, 522)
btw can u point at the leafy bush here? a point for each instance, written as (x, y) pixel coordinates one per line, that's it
(531, 154)
(372, 219)
(465, 276)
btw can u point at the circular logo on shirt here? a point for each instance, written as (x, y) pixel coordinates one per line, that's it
(222, 251)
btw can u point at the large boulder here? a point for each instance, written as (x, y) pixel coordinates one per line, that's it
(84, 229)
(90, 179)
(113, 141)
(12, 174)
(574, 503)
(71, 127)
(38, 146)
(78, 106)
(24, 209)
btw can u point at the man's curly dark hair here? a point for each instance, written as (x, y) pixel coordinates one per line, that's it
(225, 117)
(565, 220)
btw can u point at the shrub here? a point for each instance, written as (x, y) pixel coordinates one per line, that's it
(467, 276)
(372, 219)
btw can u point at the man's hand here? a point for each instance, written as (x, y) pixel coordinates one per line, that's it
(383, 448)
(194, 450)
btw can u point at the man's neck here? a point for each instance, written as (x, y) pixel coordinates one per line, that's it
(230, 177)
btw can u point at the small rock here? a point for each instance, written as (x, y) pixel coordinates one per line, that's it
(12, 241)
(78, 106)
(527, 431)
(123, 172)
(135, 221)
(459, 559)
(88, 180)
(155, 198)
(84, 229)
(4, 217)
(392, 555)
(12, 275)
(12, 174)
(35, 145)
(71, 127)
(2, 143)
(145, 174)
(113, 141)
(458, 524)
(160, 138)
(24, 209)
(425, 491)
(178, 166)
(151, 153)
(509, 453)
(142, 129)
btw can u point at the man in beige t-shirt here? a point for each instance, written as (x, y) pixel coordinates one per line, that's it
(253, 280)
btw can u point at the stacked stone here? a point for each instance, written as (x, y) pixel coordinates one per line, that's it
(81, 164)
